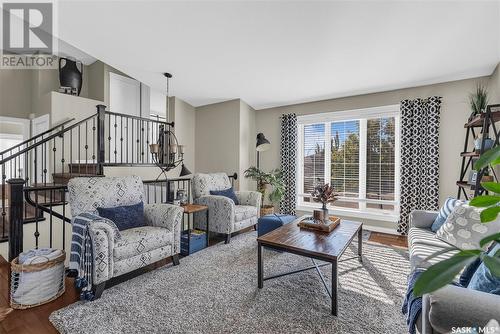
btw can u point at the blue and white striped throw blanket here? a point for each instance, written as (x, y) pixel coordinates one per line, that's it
(82, 255)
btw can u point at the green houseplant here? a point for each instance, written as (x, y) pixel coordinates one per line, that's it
(273, 180)
(443, 272)
(478, 100)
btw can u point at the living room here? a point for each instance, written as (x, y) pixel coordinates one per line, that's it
(250, 167)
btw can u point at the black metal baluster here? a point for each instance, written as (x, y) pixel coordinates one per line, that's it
(142, 141)
(63, 221)
(70, 165)
(4, 213)
(45, 163)
(154, 189)
(115, 138)
(37, 233)
(93, 140)
(109, 138)
(147, 141)
(132, 144)
(126, 141)
(121, 139)
(79, 150)
(51, 194)
(62, 155)
(54, 149)
(86, 148)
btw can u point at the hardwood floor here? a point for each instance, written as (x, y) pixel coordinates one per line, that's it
(36, 320)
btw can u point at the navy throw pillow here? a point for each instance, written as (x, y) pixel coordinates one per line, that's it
(444, 212)
(125, 217)
(229, 193)
(483, 279)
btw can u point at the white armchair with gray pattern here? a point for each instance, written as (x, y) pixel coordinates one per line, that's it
(136, 247)
(225, 216)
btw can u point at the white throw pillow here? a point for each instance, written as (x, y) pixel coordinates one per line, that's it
(463, 227)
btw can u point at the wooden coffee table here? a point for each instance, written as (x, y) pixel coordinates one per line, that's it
(328, 247)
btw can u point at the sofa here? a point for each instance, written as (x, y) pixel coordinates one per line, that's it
(225, 217)
(137, 247)
(450, 306)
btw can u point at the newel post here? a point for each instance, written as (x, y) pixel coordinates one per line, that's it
(101, 114)
(15, 217)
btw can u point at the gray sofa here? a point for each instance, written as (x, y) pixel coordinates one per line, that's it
(450, 306)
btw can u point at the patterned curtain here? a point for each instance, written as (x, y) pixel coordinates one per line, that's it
(419, 157)
(288, 150)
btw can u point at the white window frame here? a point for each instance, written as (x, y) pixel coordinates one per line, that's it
(362, 115)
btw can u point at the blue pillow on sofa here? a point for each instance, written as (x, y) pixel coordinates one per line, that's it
(483, 279)
(229, 193)
(125, 217)
(444, 212)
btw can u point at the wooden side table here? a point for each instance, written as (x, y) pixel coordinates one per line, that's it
(191, 209)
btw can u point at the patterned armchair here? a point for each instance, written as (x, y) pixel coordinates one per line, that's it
(224, 216)
(136, 247)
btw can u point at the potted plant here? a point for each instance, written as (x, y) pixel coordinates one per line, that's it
(273, 180)
(323, 194)
(478, 101)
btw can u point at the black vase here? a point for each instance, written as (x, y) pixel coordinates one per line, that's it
(70, 75)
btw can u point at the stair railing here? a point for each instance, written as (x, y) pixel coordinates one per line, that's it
(35, 174)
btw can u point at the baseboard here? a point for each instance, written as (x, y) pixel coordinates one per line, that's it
(380, 229)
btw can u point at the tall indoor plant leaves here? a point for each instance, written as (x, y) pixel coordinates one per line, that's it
(443, 272)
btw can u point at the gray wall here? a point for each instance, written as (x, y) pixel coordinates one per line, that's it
(217, 137)
(454, 113)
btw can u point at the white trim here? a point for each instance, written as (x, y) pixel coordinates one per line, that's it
(374, 112)
(24, 122)
(386, 230)
(353, 213)
(11, 136)
(361, 115)
(362, 163)
(328, 148)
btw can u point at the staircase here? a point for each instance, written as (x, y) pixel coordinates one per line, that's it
(35, 173)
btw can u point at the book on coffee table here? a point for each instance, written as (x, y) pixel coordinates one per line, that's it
(308, 222)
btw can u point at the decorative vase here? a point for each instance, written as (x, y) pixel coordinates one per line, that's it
(70, 75)
(321, 214)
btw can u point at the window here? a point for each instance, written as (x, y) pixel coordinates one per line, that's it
(355, 151)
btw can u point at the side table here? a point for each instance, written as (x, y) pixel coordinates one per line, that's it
(190, 210)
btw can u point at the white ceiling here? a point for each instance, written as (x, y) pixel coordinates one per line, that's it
(277, 53)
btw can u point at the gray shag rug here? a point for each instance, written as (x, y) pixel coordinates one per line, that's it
(215, 291)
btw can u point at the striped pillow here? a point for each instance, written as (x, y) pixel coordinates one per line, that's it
(444, 212)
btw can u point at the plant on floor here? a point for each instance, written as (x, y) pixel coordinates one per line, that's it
(443, 272)
(478, 100)
(274, 179)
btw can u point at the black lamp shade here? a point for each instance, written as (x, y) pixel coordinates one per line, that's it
(184, 171)
(262, 143)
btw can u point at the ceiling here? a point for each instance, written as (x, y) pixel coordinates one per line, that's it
(277, 53)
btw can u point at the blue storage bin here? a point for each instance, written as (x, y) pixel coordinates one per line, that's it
(197, 242)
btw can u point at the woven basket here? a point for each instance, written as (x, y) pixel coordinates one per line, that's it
(266, 210)
(36, 284)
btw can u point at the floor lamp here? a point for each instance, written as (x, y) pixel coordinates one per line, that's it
(262, 145)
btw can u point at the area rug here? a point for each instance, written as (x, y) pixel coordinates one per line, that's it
(215, 291)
